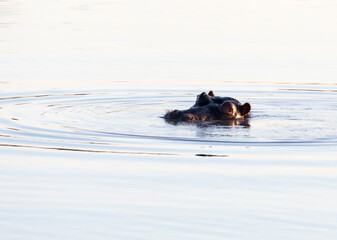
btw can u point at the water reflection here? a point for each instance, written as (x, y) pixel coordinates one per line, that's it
(203, 124)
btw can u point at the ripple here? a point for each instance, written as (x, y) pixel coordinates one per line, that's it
(126, 122)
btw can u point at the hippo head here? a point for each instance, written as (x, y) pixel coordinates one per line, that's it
(228, 108)
(209, 107)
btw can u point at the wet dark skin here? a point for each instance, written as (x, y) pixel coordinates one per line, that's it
(209, 107)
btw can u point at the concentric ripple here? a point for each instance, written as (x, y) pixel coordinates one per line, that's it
(130, 122)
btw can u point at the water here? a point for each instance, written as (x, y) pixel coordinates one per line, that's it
(86, 154)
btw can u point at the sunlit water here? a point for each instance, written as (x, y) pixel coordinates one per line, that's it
(86, 154)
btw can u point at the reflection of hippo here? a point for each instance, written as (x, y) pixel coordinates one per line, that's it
(208, 107)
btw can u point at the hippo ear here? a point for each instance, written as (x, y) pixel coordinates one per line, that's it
(245, 109)
(211, 93)
(203, 99)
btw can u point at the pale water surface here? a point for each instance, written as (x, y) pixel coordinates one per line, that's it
(86, 154)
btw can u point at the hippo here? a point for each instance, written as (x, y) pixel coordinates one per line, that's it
(209, 107)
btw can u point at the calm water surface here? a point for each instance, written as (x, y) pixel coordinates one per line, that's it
(86, 154)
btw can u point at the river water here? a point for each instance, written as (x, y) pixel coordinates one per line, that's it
(86, 154)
